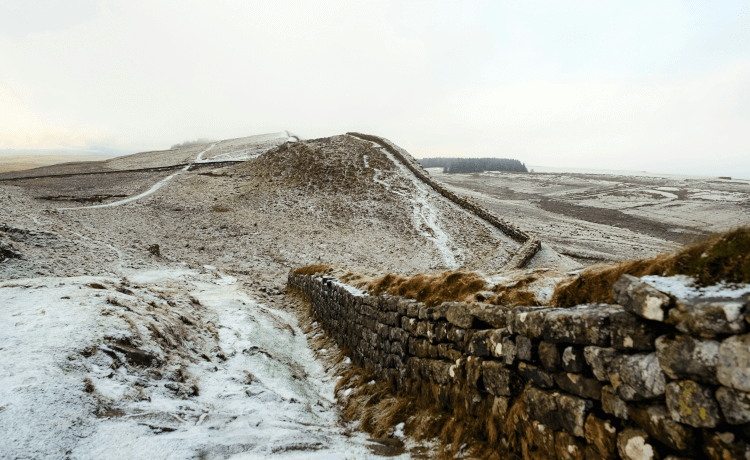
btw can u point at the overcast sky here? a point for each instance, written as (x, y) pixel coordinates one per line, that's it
(662, 86)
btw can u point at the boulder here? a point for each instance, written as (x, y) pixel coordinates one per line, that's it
(735, 405)
(693, 404)
(686, 357)
(708, 316)
(734, 362)
(641, 299)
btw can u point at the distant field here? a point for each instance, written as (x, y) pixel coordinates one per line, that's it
(22, 162)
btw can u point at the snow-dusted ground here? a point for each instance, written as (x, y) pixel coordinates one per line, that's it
(230, 377)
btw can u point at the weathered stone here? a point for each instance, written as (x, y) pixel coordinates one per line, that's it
(685, 357)
(725, 446)
(632, 333)
(500, 380)
(538, 440)
(509, 350)
(549, 355)
(657, 422)
(527, 321)
(479, 344)
(458, 336)
(526, 349)
(458, 370)
(495, 341)
(434, 313)
(448, 351)
(568, 447)
(579, 385)
(573, 360)
(634, 444)
(734, 362)
(500, 407)
(458, 314)
(735, 405)
(641, 299)
(693, 404)
(612, 404)
(602, 435)
(491, 315)
(412, 310)
(474, 372)
(542, 406)
(637, 377)
(439, 371)
(600, 359)
(708, 316)
(582, 325)
(573, 413)
(537, 375)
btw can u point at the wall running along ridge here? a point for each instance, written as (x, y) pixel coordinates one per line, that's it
(529, 245)
(652, 378)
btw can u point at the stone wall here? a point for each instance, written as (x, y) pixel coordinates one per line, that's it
(530, 245)
(655, 377)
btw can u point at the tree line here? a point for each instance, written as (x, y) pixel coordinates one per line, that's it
(471, 165)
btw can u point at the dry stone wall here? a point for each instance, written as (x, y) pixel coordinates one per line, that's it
(530, 245)
(654, 377)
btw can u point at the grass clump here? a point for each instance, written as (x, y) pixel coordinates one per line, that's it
(433, 290)
(312, 269)
(720, 257)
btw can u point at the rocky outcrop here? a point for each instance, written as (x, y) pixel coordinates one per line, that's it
(652, 378)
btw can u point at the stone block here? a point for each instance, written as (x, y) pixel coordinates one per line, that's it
(527, 321)
(412, 310)
(500, 380)
(733, 369)
(474, 372)
(509, 350)
(578, 385)
(526, 349)
(637, 377)
(439, 371)
(635, 444)
(490, 315)
(458, 314)
(402, 305)
(568, 447)
(500, 406)
(550, 356)
(725, 446)
(539, 440)
(735, 405)
(573, 360)
(573, 413)
(458, 336)
(581, 325)
(686, 357)
(496, 341)
(602, 436)
(600, 360)
(542, 407)
(479, 344)
(708, 316)
(659, 424)
(434, 313)
(448, 351)
(613, 404)
(641, 299)
(693, 404)
(537, 375)
(630, 333)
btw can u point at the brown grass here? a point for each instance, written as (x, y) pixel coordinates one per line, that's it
(431, 289)
(312, 269)
(720, 257)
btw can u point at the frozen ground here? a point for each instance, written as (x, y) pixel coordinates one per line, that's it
(170, 363)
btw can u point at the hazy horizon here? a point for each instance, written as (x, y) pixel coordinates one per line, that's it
(663, 87)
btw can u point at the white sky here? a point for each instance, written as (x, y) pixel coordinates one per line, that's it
(656, 85)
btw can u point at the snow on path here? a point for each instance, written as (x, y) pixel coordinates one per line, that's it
(156, 187)
(270, 398)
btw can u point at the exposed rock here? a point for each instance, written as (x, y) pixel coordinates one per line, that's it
(634, 444)
(735, 405)
(542, 406)
(479, 344)
(495, 341)
(579, 385)
(602, 435)
(549, 355)
(612, 404)
(725, 446)
(573, 360)
(686, 357)
(657, 422)
(582, 325)
(509, 350)
(708, 317)
(638, 377)
(500, 380)
(641, 299)
(734, 362)
(537, 375)
(493, 315)
(457, 313)
(526, 349)
(632, 333)
(600, 359)
(528, 321)
(693, 404)
(568, 447)
(573, 412)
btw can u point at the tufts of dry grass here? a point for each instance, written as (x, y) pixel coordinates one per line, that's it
(431, 289)
(312, 269)
(720, 257)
